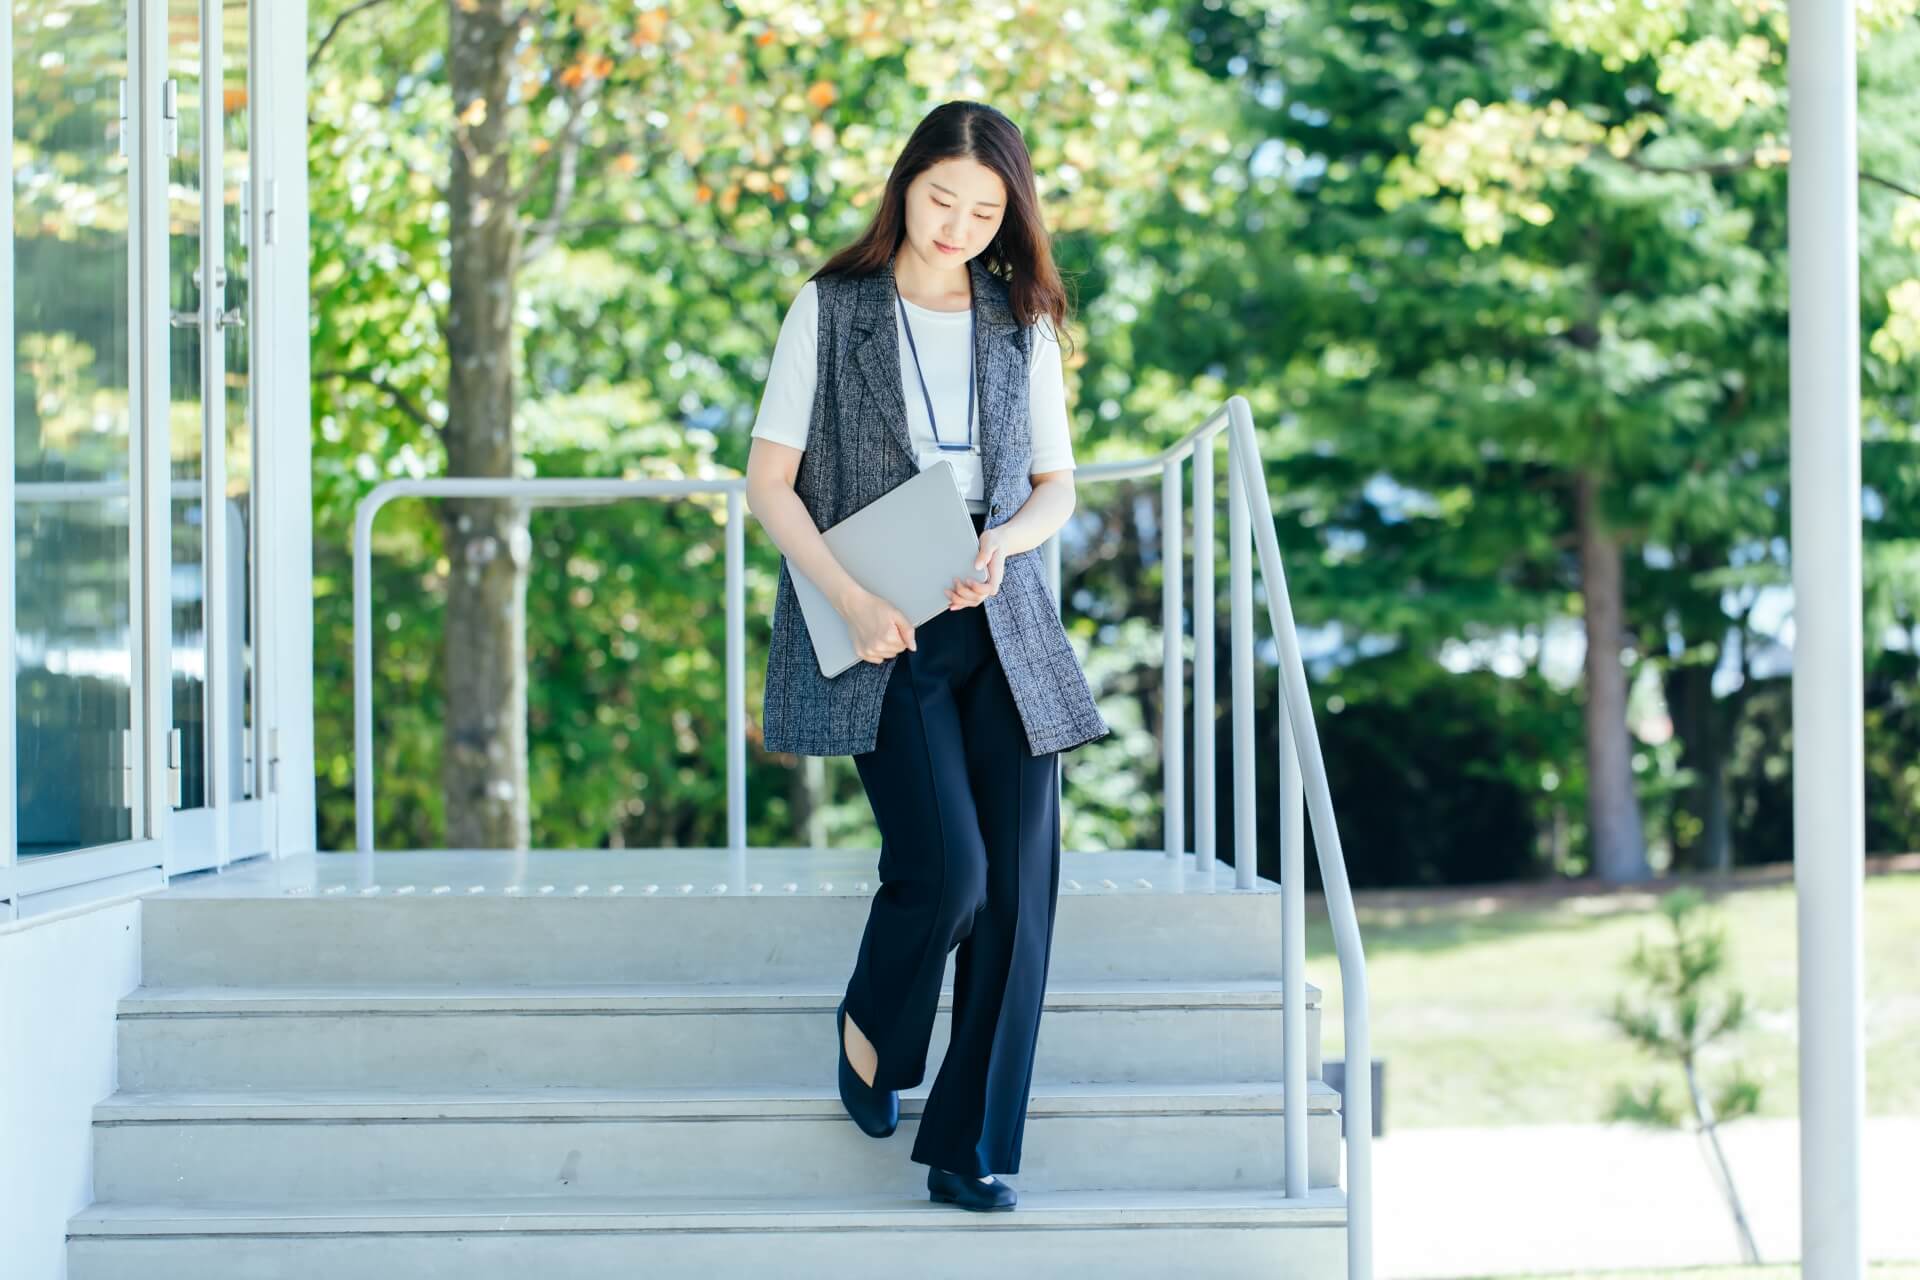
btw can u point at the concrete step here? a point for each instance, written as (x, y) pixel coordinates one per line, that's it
(1113, 1235)
(311, 937)
(640, 1036)
(202, 1147)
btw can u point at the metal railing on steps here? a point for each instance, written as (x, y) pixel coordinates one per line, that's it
(1302, 768)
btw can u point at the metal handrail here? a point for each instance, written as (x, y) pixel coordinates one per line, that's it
(1309, 775)
(562, 490)
(1303, 778)
(1302, 768)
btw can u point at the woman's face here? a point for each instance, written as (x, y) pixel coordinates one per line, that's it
(954, 210)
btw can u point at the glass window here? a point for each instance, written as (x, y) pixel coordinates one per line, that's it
(73, 641)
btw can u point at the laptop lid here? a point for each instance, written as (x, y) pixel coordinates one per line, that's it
(906, 546)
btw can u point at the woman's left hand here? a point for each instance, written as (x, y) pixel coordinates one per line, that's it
(992, 558)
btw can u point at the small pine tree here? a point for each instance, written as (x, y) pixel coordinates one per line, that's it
(1677, 1017)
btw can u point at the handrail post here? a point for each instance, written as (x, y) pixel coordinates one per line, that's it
(1206, 599)
(1172, 668)
(1293, 954)
(363, 669)
(736, 690)
(1240, 620)
(1357, 1087)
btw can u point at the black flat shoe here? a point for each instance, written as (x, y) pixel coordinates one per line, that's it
(876, 1111)
(969, 1192)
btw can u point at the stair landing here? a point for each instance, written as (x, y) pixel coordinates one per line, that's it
(768, 871)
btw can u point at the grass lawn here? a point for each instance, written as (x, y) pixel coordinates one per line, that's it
(1490, 1009)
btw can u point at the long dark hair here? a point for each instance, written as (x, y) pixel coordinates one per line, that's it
(1021, 253)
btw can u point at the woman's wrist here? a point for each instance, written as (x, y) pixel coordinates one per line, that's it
(847, 597)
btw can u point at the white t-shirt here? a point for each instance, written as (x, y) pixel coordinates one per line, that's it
(786, 404)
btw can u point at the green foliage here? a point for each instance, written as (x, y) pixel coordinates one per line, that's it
(1249, 199)
(1653, 1105)
(1509, 243)
(720, 152)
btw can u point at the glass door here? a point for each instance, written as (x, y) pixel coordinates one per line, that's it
(136, 692)
(233, 530)
(240, 747)
(214, 747)
(78, 649)
(192, 841)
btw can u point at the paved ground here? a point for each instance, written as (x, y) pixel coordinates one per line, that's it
(1476, 1202)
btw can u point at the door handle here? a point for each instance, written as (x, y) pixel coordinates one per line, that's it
(232, 318)
(175, 776)
(184, 319)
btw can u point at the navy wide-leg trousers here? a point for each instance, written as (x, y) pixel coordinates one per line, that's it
(969, 859)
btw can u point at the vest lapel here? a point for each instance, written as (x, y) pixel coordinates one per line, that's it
(995, 356)
(875, 354)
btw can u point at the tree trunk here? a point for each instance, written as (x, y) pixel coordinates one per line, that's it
(1703, 725)
(1613, 807)
(483, 770)
(1707, 1128)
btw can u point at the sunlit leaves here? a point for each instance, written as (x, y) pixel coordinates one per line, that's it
(592, 66)
(1720, 71)
(1498, 160)
(1713, 58)
(1899, 338)
(1875, 16)
(1620, 32)
(1721, 81)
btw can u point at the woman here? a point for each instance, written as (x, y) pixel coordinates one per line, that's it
(920, 343)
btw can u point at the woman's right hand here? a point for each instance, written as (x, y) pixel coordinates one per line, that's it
(878, 630)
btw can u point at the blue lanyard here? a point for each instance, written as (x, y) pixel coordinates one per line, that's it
(973, 322)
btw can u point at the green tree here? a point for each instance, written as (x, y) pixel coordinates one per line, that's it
(563, 212)
(1542, 250)
(1677, 1020)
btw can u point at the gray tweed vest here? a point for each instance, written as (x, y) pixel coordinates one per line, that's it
(859, 448)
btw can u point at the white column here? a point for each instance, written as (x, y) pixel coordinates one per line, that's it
(1828, 823)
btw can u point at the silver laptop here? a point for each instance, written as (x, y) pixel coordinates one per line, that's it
(906, 547)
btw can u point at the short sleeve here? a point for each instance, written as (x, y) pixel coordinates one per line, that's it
(786, 402)
(1052, 445)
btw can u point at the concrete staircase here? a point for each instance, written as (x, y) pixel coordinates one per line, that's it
(318, 1081)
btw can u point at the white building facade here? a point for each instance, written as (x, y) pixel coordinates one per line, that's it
(158, 616)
